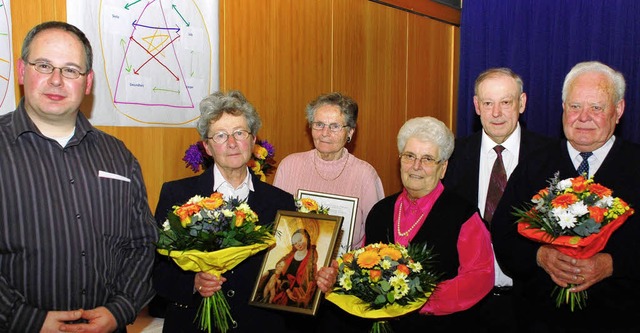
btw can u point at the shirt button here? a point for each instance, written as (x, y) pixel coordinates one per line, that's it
(231, 293)
(83, 253)
(72, 181)
(77, 216)
(84, 291)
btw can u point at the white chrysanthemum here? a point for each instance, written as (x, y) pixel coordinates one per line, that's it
(227, 212)
(415, 267)
(564, 184)
(578, 209)
(345, 281)
(166, 226)
(605, 202)
(195, 199)
(385, 264)
(400, 285)
(566, 220)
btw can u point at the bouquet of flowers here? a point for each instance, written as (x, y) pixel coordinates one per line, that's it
(261, 162)
(575, 215)
(308, 205)
(209, 234)
(381, 281)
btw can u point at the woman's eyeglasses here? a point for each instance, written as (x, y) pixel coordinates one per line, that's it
(222, 137)
(425, 161)
(333, 127)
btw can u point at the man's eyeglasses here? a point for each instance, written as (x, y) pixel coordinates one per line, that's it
(333, 127)
(425, 161)
(222, 137)
(47, 68)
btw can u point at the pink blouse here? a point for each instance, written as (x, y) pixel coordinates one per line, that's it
(476, 272)
(348, 176)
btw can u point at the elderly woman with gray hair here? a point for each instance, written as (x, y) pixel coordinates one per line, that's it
(424, 211)
(329, 167)
(228, 125)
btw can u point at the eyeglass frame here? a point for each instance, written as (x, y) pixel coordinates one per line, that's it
(227, 135)
(425, 161)
(333, 127)
(53, 69)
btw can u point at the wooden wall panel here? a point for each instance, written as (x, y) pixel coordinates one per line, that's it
(370, 65)
(431, 59)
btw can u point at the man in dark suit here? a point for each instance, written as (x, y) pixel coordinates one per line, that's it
(499, 100)
(593, 103)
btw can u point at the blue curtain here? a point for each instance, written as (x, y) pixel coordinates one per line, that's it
(541, 40)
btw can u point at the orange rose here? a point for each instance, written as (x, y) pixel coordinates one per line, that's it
(403, 269)
(564, 200)
(541, 194)
(579, 184)
(390, 252)
(185, 211)
(375, 275)
(309, 204)
(599, 190)
(240, 216)
(212, 202)
(597, 213)
(368, 259)
(347, 258)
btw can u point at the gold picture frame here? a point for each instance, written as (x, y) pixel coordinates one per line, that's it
(288, 267)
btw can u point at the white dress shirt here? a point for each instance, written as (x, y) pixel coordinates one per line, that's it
(487, 158)
(595, 160)
(228, 191)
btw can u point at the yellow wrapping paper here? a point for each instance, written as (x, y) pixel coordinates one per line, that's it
(216, 262)
(355, 306)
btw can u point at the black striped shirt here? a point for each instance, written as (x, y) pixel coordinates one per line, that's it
(75, 226)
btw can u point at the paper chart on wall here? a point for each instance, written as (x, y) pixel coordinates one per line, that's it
(154, 60)
(7, 68)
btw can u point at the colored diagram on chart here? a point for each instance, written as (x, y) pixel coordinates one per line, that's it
(157, 59)
(5, 54)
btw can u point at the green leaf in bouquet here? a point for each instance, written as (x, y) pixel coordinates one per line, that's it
(587, 228)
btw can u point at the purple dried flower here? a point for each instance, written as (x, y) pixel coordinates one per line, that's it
(193, 157)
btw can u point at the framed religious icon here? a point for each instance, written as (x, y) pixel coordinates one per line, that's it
(304, 243)
(340, 205)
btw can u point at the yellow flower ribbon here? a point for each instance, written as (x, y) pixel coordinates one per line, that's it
(357, 307)
(215, 262)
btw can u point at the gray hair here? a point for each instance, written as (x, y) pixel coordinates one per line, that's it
(615, 78)
(495, 72)
(348, 107)
(428, 129)
(28, 39)
(215, 105)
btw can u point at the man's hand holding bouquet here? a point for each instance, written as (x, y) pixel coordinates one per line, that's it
(576, 216)
(383, 281)
(209, 234)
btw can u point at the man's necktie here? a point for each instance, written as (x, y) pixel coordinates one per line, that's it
(583, 168)
(497, 183)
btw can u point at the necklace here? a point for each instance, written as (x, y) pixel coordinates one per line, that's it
(315, 156)
(406, 233)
